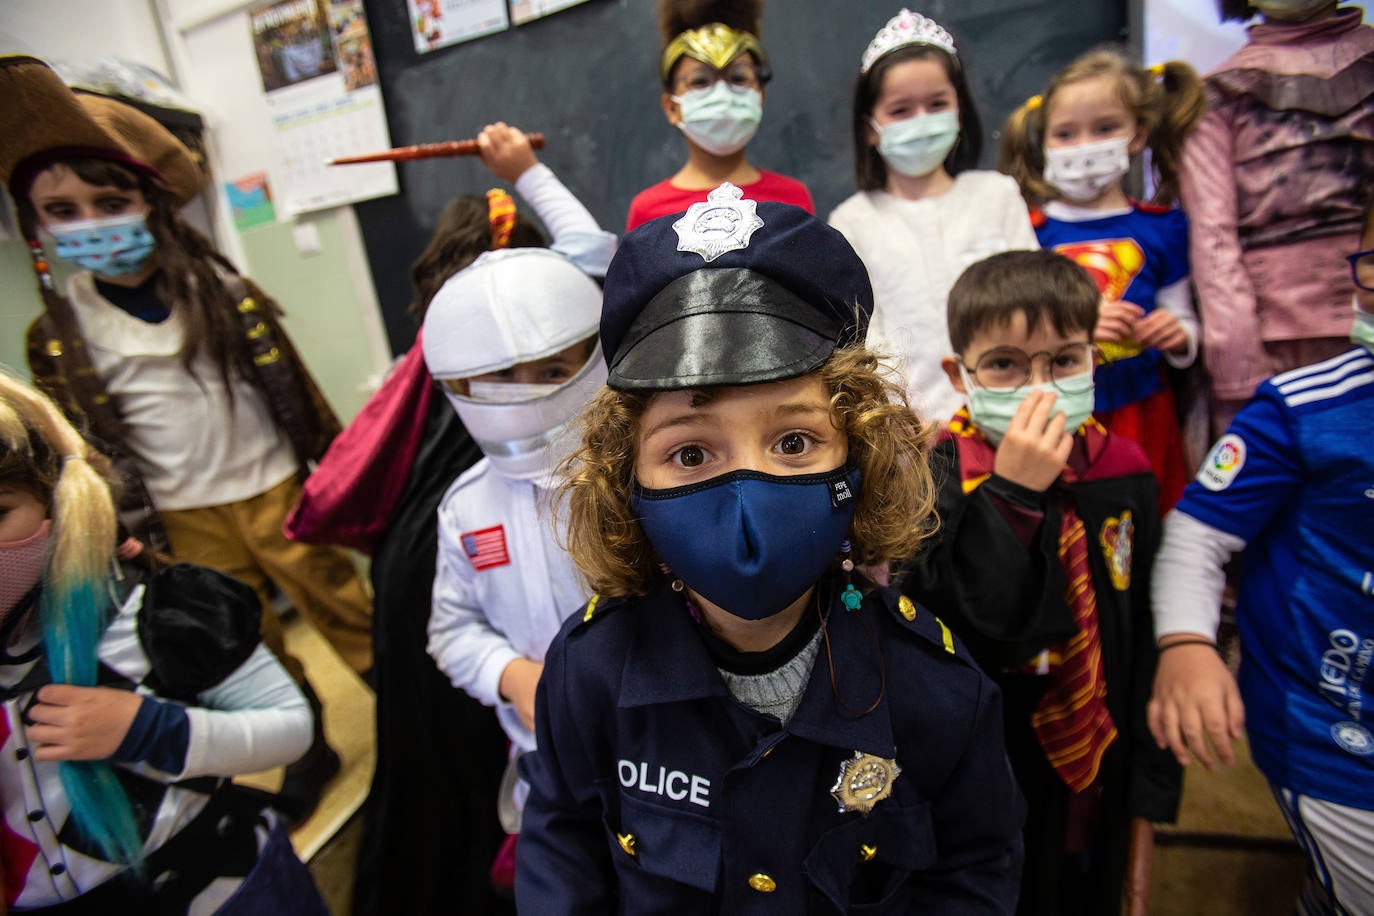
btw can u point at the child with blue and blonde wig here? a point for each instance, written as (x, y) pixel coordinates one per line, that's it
(129, 697)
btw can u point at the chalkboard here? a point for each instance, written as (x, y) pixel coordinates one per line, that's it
(588, 79)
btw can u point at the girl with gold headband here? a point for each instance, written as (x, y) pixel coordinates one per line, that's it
(714, 69)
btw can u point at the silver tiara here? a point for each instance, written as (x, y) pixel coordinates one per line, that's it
(907, 28)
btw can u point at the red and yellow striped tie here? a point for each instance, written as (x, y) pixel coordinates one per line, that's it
(1071, 721)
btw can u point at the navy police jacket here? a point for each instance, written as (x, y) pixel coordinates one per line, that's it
(654, 791)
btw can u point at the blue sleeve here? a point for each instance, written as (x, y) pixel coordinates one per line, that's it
(1251, 471)
(562, 860)
(1173, 247)
(159, 736)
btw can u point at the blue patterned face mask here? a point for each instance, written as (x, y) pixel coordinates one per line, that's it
(112, 247)
(748, 542)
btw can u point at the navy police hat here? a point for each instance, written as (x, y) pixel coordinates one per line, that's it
(732, 292)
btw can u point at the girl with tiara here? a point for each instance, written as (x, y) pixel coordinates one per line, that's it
(922, 213)
(738, 721)
(176, 366)
(1070, 149)
(129, 697)
(714, 70)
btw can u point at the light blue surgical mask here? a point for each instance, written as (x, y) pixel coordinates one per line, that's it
(721, 119)
(1362, 331)
(114, 246)
(993, 408)
(917, 146)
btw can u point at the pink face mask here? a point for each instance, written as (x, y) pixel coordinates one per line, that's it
(21, 566)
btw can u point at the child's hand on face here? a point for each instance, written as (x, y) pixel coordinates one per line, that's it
(1033, 450)
(506, 151)
(1116, 320)
(81, 723)
(1162, 330)
(518, 684)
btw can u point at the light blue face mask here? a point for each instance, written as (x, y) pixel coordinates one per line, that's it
(722, 119)
(916, 146)
(993, 408)
(1362, 331)
(112, 247)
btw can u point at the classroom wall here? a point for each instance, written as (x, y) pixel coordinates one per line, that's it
(327, 294)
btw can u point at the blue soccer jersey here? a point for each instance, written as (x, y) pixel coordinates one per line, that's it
(1294, 478)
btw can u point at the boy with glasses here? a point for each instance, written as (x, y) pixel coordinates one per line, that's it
(1049, 525)
(1291, 483)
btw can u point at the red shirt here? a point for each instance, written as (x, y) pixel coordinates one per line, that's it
(665, 197)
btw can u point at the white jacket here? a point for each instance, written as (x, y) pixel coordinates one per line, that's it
(483, 619)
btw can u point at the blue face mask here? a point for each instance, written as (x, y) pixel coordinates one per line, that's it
(112, 247)
(748, 542)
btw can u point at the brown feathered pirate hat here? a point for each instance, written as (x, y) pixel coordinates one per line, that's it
(43, 121)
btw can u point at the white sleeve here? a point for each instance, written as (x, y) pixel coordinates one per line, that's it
(254, 719)
(1016, 224)
(573, 231)
(1188, 576)
(462, 641)
(1177, 299)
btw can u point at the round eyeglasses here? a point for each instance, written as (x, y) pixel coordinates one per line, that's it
(1362, 268)
(1008, 368)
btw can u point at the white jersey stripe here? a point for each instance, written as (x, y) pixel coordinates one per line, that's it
(1359, 364)
(1326, 364)
(1333, 391)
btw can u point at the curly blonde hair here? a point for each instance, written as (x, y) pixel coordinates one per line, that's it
(888, 442)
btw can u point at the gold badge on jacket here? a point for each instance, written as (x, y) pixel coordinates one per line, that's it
(864, 781)
(1116, 539)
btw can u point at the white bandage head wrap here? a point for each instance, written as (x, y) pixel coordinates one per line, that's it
(510, 307)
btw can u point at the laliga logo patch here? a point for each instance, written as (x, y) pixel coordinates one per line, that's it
(1223, 464)
(723, 222)
(1354, 738)
(1116, 538)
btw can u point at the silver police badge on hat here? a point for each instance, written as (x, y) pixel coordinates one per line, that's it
(864, 781)
(723, 222)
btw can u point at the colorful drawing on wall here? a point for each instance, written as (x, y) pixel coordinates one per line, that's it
(323, 101)
(251, 201)
(292, 41)
(522, 11)
(440, 23)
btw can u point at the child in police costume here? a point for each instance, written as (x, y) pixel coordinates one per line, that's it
(737, 721)
(1048, 527)
(512, 340)
(129, 697)
(1291, 484)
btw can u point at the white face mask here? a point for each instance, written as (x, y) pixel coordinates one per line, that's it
(509, 392)
(721, 119)
(917, 146)
(1081, 173)
(526, 439)
(1290, 10)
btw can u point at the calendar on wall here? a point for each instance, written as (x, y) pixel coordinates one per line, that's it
(315, 62)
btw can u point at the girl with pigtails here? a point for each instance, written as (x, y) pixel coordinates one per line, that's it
(1069, 150)
(129, 698)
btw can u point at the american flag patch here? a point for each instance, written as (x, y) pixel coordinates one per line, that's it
(486, 547)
